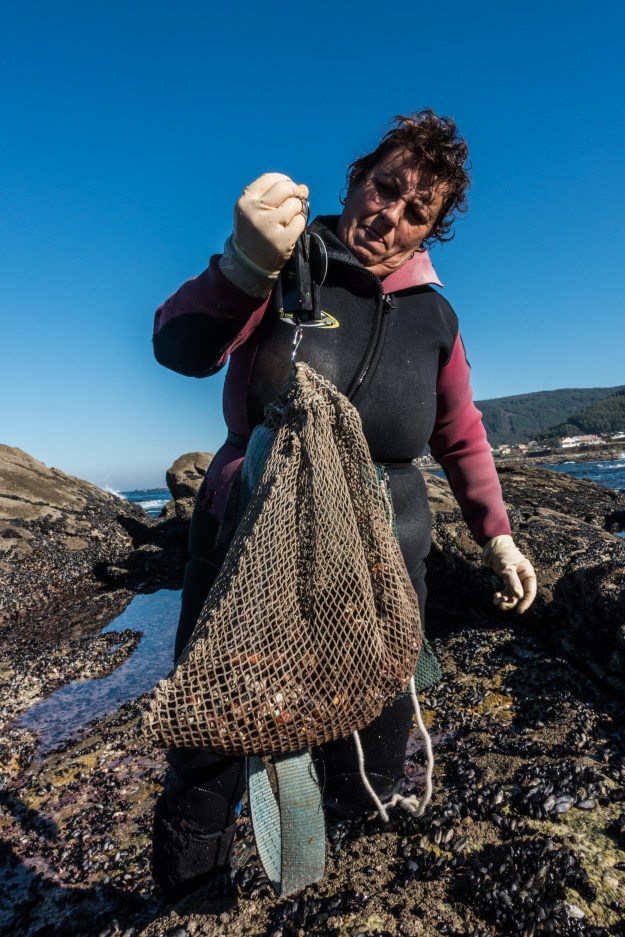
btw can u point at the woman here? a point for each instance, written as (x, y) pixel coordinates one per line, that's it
(388, 341)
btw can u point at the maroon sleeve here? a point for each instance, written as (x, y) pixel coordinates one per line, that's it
(460, 446)
(202, 323)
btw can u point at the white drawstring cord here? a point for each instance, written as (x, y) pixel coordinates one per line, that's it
(413, 804)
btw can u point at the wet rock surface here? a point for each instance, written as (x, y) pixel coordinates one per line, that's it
(63, 539)
(31, 671)
(562, 525)
(526, 831)
(54, 531)
(184, 479)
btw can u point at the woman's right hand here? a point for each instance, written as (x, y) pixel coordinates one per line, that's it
(269, 217)
(503, 556)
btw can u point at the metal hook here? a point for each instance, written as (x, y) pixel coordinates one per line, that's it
(299, 332)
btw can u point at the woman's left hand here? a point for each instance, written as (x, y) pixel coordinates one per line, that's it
(504, 558)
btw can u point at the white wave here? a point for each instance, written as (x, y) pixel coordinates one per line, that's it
(114, 491)
(160, 503)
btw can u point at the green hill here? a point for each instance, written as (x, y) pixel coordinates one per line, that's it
(538, 415)
(604, 416)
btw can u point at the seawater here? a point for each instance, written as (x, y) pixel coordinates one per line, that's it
(152, 500)
(64, 713)
(611, 474)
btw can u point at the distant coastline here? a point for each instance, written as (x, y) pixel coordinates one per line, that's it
(548, 456)
(549, 415)
(606, 453)
(154, 500)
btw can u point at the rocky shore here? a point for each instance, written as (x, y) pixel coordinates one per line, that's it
(537, 457)
(526, 832)
(64, 541)
(605, 453)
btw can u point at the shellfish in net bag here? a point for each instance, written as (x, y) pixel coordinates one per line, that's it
(312, 624)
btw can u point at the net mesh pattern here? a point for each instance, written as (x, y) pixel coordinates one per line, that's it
(312, 624)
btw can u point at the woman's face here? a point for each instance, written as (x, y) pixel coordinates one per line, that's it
(389, 214)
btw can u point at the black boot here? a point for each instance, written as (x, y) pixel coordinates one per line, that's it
(194, 823)
(186, 858)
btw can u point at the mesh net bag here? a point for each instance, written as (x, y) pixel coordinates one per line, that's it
(312, 624)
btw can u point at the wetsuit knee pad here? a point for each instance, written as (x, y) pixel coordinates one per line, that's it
(204, 789)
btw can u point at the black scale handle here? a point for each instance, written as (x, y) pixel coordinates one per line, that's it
(301, 278)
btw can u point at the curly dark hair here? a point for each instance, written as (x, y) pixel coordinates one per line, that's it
(435, 147)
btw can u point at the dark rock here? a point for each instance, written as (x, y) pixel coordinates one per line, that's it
(560, 523)
(518, 732)
(54, 531)
(155, 565)
(63, 539)
(536, 488)
(184, 479)
(168, 511)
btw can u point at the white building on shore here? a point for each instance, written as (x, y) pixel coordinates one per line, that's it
(570, 441)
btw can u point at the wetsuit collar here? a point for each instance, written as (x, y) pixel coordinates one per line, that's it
(418, 271)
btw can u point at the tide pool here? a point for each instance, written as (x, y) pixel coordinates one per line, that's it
(61, 715)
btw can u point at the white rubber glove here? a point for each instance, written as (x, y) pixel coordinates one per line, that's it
(504, 558)
(269, 217)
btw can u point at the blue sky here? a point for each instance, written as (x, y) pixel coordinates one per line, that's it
(128, 131)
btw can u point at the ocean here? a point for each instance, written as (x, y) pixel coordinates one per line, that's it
(65, 713)
(611, 474)
(152, 500)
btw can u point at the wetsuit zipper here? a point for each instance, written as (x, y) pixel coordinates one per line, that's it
(378, 332)
(376, 346)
